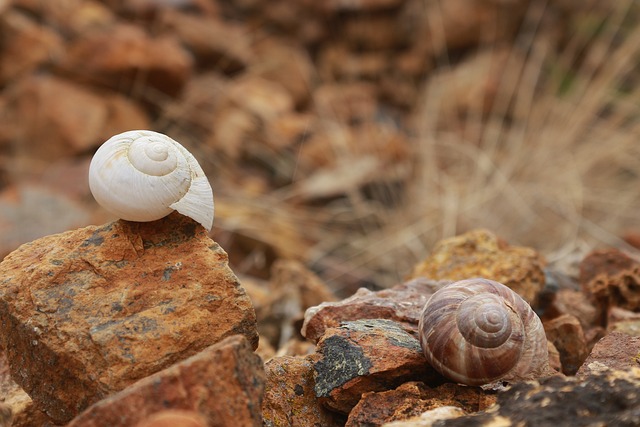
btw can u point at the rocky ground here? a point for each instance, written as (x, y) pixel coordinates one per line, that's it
(144, 324)
(344, 140)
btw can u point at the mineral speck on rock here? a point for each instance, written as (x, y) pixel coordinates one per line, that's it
(87, 312)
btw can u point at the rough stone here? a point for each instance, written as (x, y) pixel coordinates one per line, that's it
(22, 218)
(412, 399)
(70, 118)
(480, 253)
(367, 355)
(101, 307)
(129, 59)
(612, 277)
(575, 303)
(208, 39)
(290, 399)
(25, 45)
(402, 303)
(174, 418)
(567, 336)
(616, 350)
(281, 302)
(428, 418)
(622, 320)
(609, 398)
(224, 384)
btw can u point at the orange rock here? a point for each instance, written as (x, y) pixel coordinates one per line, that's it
(567, 336)
(174, 418)
(612, 278)
(616, 350)
(23, 219)
(129, 59)
(402, 303)
(480, 253)
(290, 399)
(216, 44)
(366, 355)
(59, 118)
(25, 45)
(414, 398)
(101, 307)
(220, 386)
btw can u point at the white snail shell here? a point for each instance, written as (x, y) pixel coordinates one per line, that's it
(142, 175)
(478, 331)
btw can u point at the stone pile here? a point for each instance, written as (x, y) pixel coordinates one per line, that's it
(144, 324)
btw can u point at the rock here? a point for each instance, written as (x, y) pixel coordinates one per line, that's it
(612, 278)
(625, 321)
(214, 43)
(224, 384)
(23, 219)
(480, 253)
(280, 303)
(70, 18)
(129, 60)
(60, 118)
(174, 418)
(67, 117)
(428, 418)
(25, 45)
(576, 304)
(366, 355)
(567, 336)
(608, 398)
(616, 350)
(99, 308)
(412, 399)
(289, 398)
(286, 64)
(402, 303)
(16, 407)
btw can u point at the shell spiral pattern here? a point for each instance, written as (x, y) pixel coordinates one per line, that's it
(478, 331)
(143, 176)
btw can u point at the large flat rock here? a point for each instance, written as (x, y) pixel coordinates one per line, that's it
(87, 312)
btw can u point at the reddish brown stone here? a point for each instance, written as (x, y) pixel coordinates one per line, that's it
(480, 253)
(567, 336)
(129, 59)
(612, 278)
(429, 418)
(290, 399)
(414, 398)
(25, 45)
(208, 39)
(174, 418)
(625, 321)
(366, 355)
(575, 303)
(403, 303)
(101, 307)
(59, 118)
(224, 383)
(22, 218)
(616, 350)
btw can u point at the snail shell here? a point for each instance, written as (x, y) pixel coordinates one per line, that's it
(143, 176)
(478, 331)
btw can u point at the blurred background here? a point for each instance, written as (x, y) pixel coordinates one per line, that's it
(348, 135)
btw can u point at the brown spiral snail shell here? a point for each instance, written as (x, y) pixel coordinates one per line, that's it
(478, 331)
